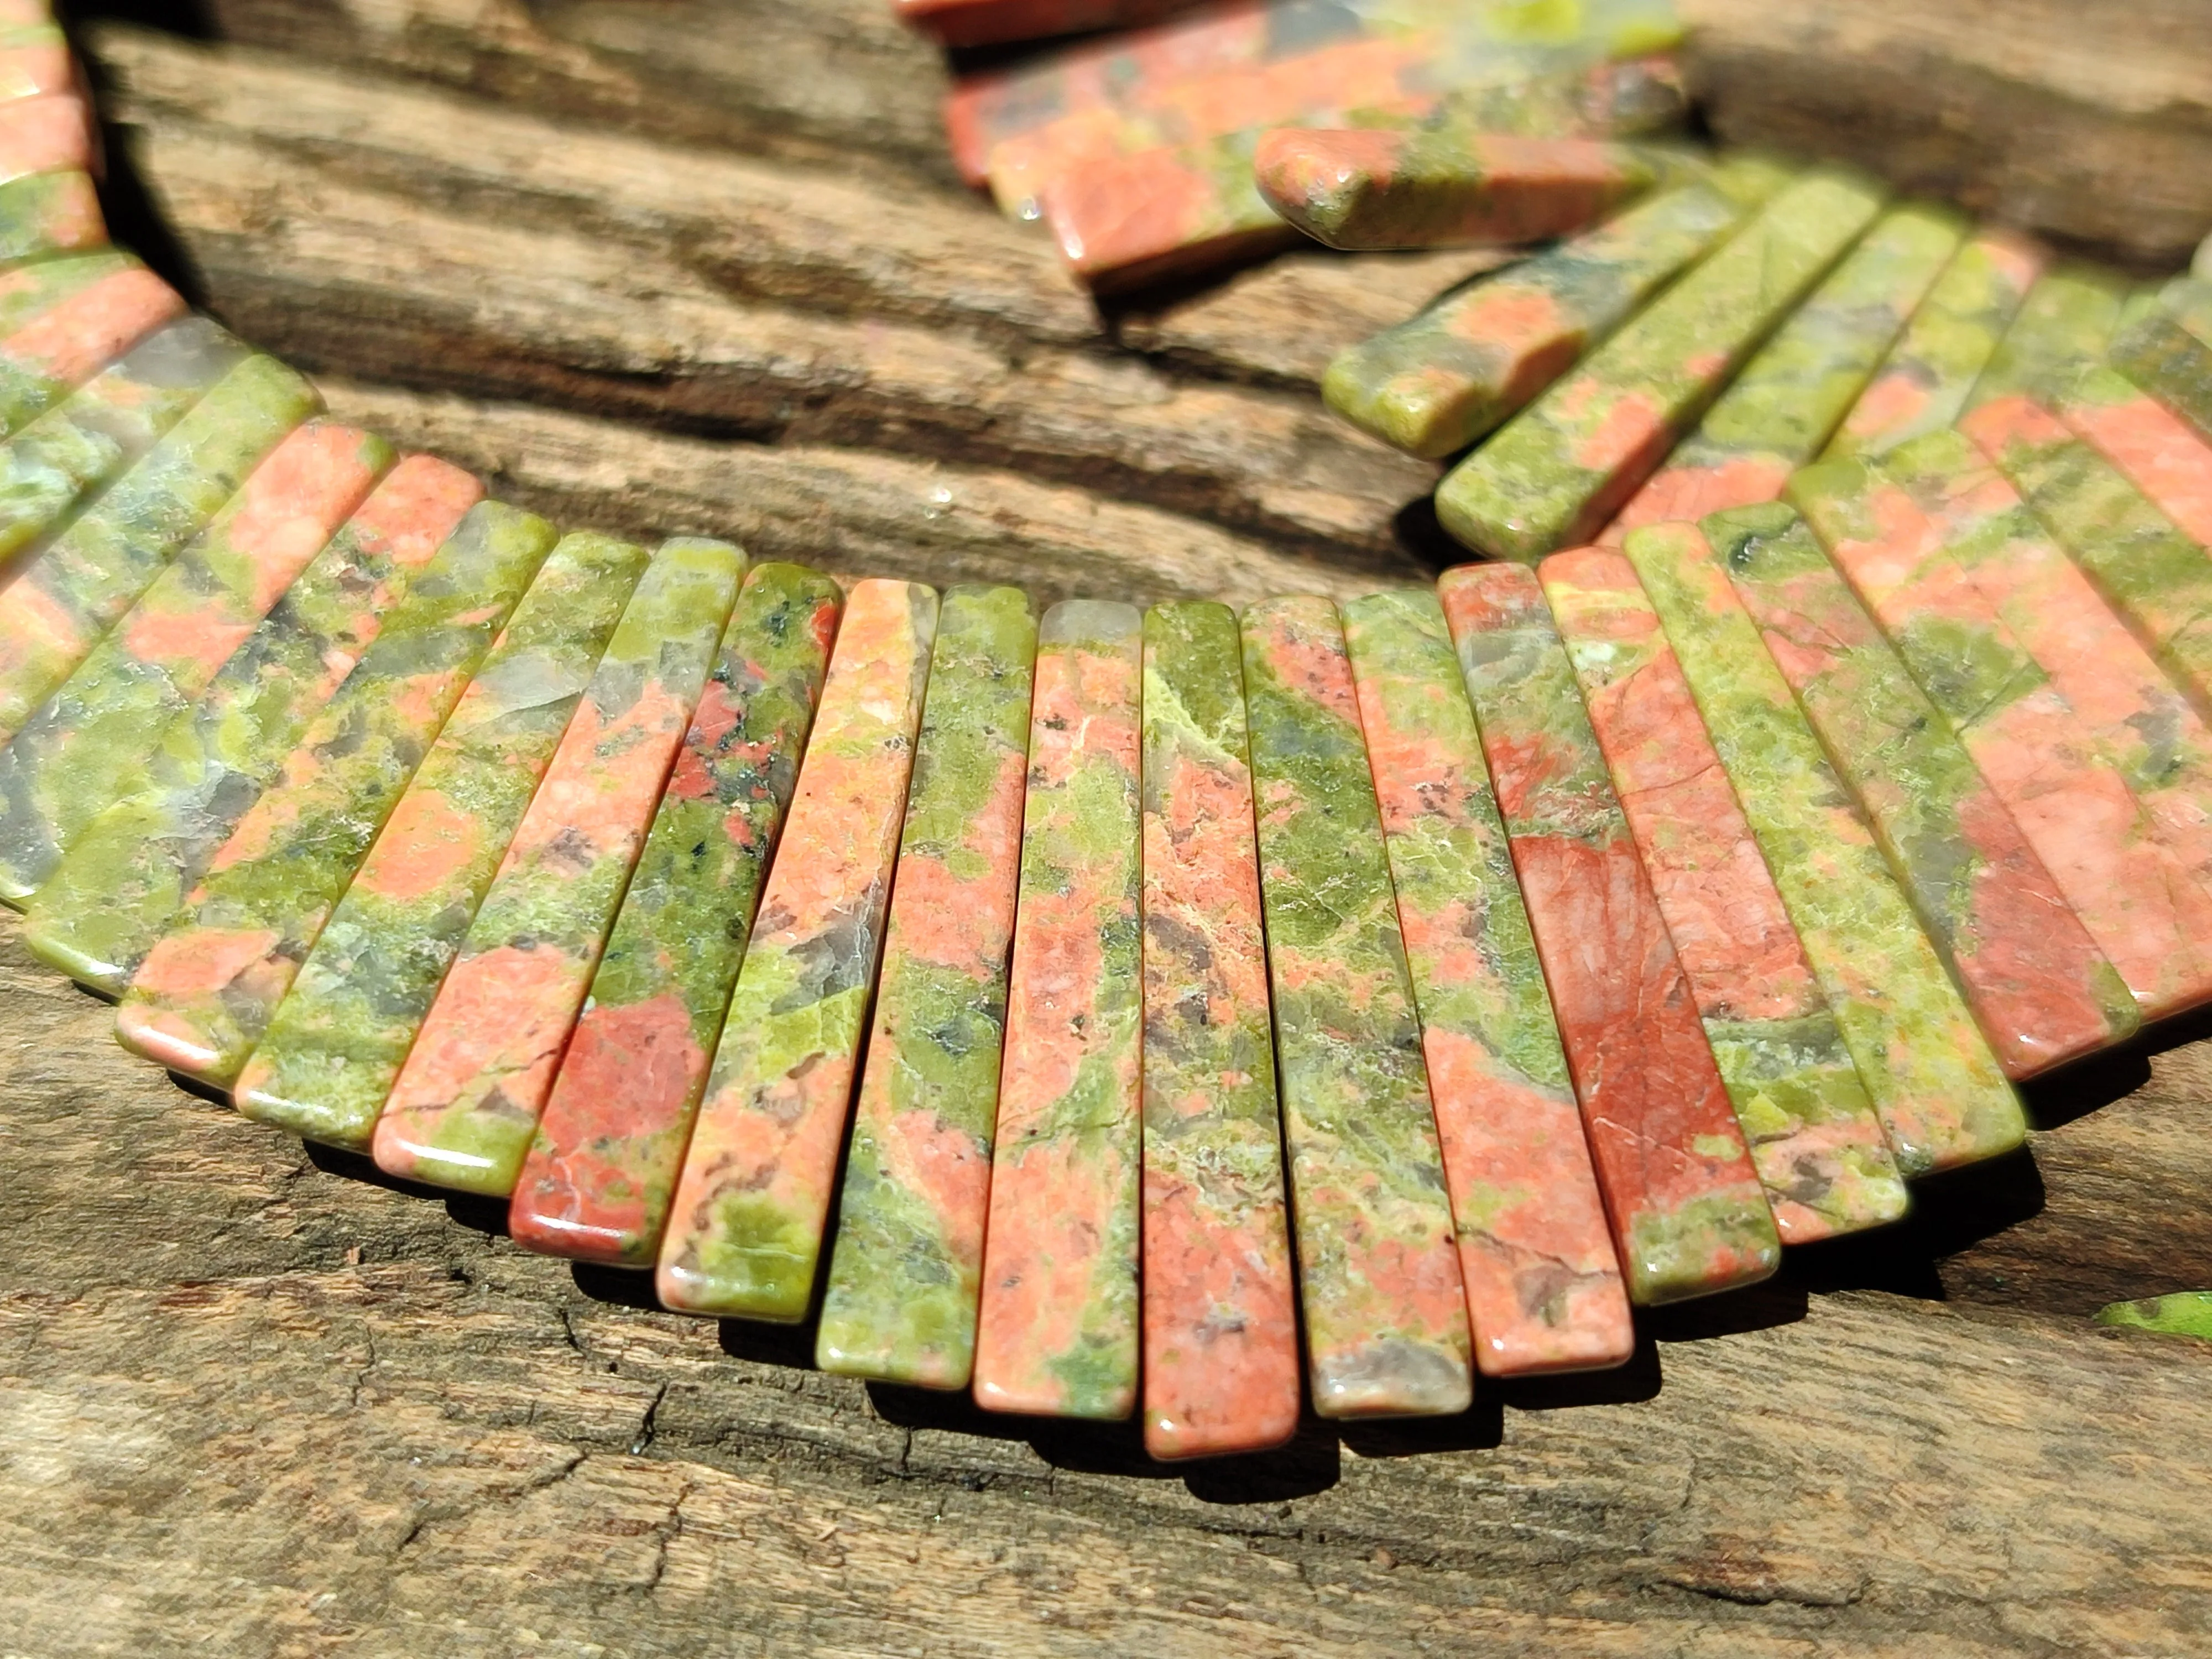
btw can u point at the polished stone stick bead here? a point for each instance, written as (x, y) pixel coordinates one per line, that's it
(1778, 413)
(2063, 326)
(1221, 1370)
(55, 777)
(203, 989)
(1370, 1204)
(744, 1230)
(78, 319)
(1439, 381)
(2161, 454)
(1057, 1331)
(989, 22)
(1555, 474)
(1544, 1288)
(34, 60)
(45, 213)
(2070, 798)
(2125, 702)
(1814, 1135)
(1689, 1215)
(46, 133)
(465, 1107)
(72, 589)
(905, 1277)
(127, 869)
(1441, 188)
(99, 432)
(2168, 351)
(1943, 1095)
(332, 1050)
(1972, 775)
(1924, 384)
(597, 1184)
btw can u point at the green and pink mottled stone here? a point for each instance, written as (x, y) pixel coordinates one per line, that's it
(1556, 474)
(46, 213)
(201, 991)
(744, 1230)
(2062, 326)
(1057, 1332)
(2168, 351)
(2160, 453)
(1221, 1366)
(63, 320)
(1378, 1268)
(609, 1145)
(334, 1046)
(1778, 413)
(1689, 1215)
(1960, 756)
(905, 1277)
(1544, 1288)
(46, 133)
(126, 873)
(1814, 1135)
(57, 773)
(1943, 1095)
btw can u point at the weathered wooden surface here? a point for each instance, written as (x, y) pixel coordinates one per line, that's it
(698, 265)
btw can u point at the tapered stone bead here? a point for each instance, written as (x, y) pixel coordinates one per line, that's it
(1689, 1215)
(126, 873)
(1778, 413)
(1441, 188)
(1436, 383)
(2160, 453)
(2168, 351)
(2150, 572)
(2062, 326)
(1544, 1288)
(44, 213)
(2124, 702)
(45, 132)
(1924, 384)
(900, 1305)
(1967, 765)
(202, 994)
(465, 1107)
(1943, 1095)
(1378, 1269)
(1220, 1306)
(98, 432)
(2071, 799)
(334, 1046)
(72, 589)
(603, 1168)
(1057, 1329)
(1814, 1135)
(988, 22)
(56, 774)
(745, 1229)
(95, 308)
(1556, 473)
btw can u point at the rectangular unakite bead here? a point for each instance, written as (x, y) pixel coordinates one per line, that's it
(1965, 760)
(1221, 1306)
(1778, 413)
(465, 1107)
(2070, 798)
(333, 1047)
(1689, 1215)
(904, 1278)
(124, 875)
(45, 132)
(56, 776)
(1555, 474)
(1814, 1135)
(1924, 384)
(44, 213)
(2123, 701)
(1544, 1288)
(2166, 349)
(59, 327)
(1942, 1096)
(2063, 325)
(1370, 1205)
(745, 1229)
(1446, 187)
(94, 436)
(1056, 1333)
(1439, 381)
(202, 993)
(2160, 453)
(72, 589)
(602, 1167)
